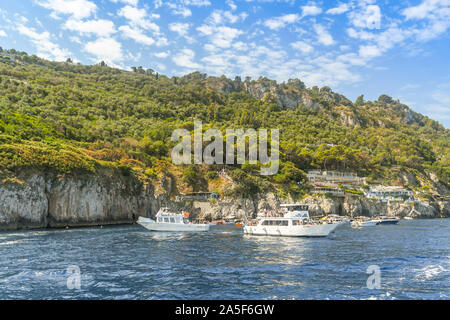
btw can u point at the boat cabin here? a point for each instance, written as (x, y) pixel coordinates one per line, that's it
(283, 222)
(289, 215)
(295, 211)
(165, 216)
(294, 207)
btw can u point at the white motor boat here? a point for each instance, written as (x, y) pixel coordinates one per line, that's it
(360, 222)
(170, 221)
(292, 221)
(386, 220)
(334, 218)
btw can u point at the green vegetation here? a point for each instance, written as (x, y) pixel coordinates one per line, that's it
(67, 117)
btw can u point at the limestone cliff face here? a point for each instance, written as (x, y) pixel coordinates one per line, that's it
(36, 200)
(23, 203)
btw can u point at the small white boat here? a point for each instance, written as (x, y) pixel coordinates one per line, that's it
(170, 221)
(334, 218)
(360, 222)
(386, 220)
(293, 221)
(408, 218)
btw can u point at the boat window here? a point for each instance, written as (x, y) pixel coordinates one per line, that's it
(284, 222)
(172, 220)
(166, 219)
(159, 219)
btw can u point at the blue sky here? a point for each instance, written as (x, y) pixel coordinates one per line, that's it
(369, 47)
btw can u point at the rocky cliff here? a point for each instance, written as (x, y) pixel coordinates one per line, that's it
(36, 200)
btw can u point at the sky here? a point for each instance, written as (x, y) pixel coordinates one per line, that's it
(400, 48)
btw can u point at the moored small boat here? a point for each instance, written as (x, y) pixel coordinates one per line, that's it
(372, 222)
(386, 220)
(334, 218)
(170, 221)
(292, 221)
(360, 222)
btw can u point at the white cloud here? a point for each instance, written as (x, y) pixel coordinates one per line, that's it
(282, 21)
(369, 51)
(162, 55)
(180, 10)
(240, 46)
(369, 16)
(162, 41)
(137, 35)
(138, 17)
(311, 10)
(302, 46)
(46, 48)
(180, 28)
(224, 36)
(437, 15)
(220, 37)
(131, 2)
(197, 3)
(220, 17)
(425, 9)
(105, 49)
(75, 39)
(323, 36)
(232, 5)
(379, 43)
(342, 8)
(102, 28)
(2, 33)
(79, 9)
(185, 59)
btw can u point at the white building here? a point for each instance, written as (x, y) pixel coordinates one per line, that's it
(323, 177)
(389, 193)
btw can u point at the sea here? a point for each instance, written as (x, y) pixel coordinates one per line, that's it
(410, 260)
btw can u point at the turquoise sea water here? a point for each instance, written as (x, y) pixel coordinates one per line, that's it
(129, 262)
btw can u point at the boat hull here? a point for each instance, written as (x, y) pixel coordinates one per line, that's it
(322, 230)
(173, 227)
(388, 221)
(359, 224)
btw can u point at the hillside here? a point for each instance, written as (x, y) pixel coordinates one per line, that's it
(68, 118)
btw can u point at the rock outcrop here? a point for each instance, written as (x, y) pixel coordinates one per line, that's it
(36, 200)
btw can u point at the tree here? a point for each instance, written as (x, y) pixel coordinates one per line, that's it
(359, 101)
(386, 99)
(193, 177)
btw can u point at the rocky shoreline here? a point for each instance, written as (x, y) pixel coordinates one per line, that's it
(351, 206)
(36, 200)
